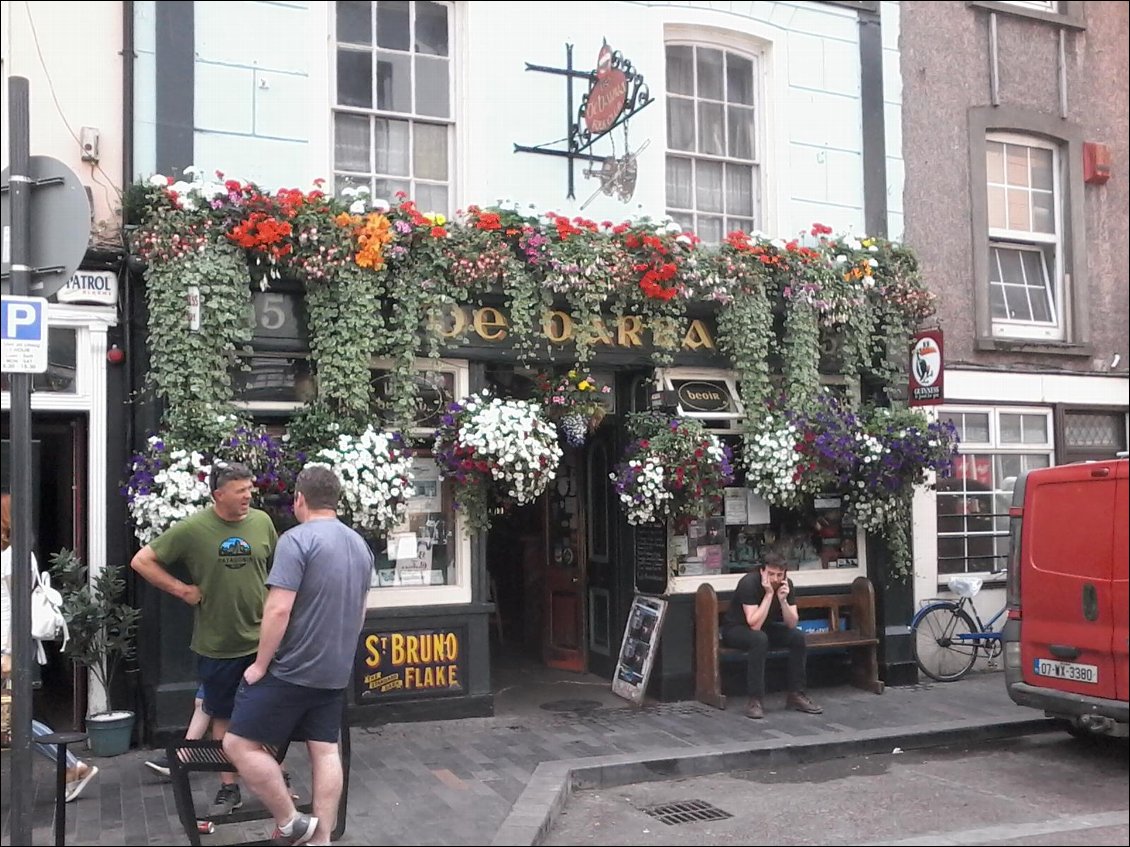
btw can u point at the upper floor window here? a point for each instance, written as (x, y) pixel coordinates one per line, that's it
(1026, 278)
(393, 116)
(1038, 5)
(712, 151)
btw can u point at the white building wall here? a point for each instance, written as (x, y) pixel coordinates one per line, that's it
(70, 53)
(263, 103)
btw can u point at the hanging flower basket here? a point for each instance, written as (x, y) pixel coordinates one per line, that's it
(499, 453)
(573, 403)
(674, 469)
(375, 469)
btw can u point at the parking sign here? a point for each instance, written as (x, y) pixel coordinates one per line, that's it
(23, 335)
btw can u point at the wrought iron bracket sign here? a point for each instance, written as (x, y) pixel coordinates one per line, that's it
(616, 93)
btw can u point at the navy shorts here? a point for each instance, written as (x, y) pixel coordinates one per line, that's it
(273, 711)
(220, 678)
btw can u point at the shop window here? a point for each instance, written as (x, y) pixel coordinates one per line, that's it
(273, 381)
(62, 366)
(713, 157)
(1092, 434)
(995, 446)
(393, 115)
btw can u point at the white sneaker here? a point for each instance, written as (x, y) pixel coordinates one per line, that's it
(75, 787)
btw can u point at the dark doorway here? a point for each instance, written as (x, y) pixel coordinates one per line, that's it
(516, 567)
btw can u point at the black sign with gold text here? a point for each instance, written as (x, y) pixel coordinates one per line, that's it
(411, 663)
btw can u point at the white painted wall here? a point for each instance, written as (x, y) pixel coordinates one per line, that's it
(70, 54)
(263, 103)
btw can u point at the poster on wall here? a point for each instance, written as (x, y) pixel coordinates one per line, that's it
(637, 651)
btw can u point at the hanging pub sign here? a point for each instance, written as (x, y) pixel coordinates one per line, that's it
(616, 93)
(927, 369)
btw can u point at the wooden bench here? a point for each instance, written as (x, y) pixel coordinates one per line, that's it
(207, 755)
(851, 627)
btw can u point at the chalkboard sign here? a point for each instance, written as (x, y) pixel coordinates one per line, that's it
(637, 651)
(651, 558)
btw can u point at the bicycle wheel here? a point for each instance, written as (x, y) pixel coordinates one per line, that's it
(938, 651)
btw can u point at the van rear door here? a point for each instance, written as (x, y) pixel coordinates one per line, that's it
(1120, 591)
(1066, 582)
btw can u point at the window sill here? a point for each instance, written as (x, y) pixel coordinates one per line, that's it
(1033, 345)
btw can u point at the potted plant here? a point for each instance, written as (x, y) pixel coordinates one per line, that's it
(103, 630)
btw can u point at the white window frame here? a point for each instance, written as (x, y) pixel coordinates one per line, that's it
(434, 595)
(714, 40)
(992, 448)
(1044, 243)
(412, 118)
(1051, 6)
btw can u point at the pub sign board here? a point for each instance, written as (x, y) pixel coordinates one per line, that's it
(396, 664)
(927, 369)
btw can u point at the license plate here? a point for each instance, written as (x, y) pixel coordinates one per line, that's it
(1068, 670)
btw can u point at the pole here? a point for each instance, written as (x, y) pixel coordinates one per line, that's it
(22, 655)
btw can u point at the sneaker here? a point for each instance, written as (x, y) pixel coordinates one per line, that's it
(753, 709)
(83, 774)
(799, 701)
(228, 799)
(159, 765)
(301, 829)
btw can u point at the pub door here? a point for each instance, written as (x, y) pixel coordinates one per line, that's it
(563, 635)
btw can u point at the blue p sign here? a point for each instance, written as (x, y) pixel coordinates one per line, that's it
(23, 334)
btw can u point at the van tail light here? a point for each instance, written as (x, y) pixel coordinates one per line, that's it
(1015, 533)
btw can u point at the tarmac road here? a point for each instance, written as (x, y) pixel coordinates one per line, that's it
(1040, 789)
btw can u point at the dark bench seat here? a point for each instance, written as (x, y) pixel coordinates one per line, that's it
(851, 627)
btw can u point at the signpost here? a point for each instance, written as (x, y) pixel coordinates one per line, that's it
(44, 197)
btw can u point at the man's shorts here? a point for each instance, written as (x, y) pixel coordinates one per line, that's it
(273, 711)
(220, 678)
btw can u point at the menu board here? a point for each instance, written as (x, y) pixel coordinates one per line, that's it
(637, 651)
(651, 558)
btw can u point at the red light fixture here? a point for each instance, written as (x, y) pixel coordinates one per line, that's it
(115, 355)
(1096, 163)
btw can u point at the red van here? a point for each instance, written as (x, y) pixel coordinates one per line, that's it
(1066, 640)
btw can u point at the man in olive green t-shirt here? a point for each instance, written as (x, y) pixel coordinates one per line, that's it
(226, 550)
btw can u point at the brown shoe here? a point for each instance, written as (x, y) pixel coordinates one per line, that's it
(753, 709)
(799, 701)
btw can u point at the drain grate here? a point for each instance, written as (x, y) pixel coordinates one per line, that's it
(686, 811)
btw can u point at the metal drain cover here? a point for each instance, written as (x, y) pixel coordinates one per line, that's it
(571, 705)
(686, 811)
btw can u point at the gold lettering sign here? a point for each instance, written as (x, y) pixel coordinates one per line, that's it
(410, 662)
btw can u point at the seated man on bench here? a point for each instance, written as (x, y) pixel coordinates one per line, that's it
(763, 615)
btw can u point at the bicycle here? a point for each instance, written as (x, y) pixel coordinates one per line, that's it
(949, 635)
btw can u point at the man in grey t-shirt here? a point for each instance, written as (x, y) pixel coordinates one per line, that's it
(295, 688)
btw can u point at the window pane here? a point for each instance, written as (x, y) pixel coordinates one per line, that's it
(1018, 210)
(996, 301)
(711, 138)
(342, 182)
(351, 143)
(739, 133)
(680, 69)
(994, 162)
(432, 87)
(972, 427)
(431, 29)
(1036, 275)
(1016, 303)
(394, 92)
(391, 139)
(1043, 212)
(387, 189)
(680, 187)
(1010, 429)
(709, 64)
(1093, 429)
(739, 79)
(1041, 168)
(680, 123)
(682, 219)
(997, 217)
(739, 190)
(1008, 266)
(1016, 163)
(708, 187)
(430, 151)
(431, 198)
(739, 224)
(1035, 429)
(354, 22)
(709, 229)
(354, 78)
(392, 24)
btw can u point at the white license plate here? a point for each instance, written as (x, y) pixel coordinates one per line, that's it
(1067, 670)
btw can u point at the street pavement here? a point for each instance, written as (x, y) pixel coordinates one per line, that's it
(505, 779)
